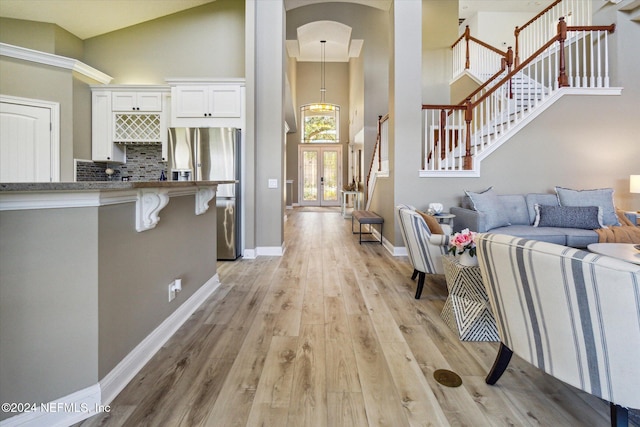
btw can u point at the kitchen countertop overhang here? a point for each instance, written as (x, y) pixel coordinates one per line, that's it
(150, 196)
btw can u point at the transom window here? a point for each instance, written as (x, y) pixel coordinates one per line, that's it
(321, 123)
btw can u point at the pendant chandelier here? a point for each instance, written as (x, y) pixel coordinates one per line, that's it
(322, 105)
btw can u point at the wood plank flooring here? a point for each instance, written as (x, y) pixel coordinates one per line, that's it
(330, 335)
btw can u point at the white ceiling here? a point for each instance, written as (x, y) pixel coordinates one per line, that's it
(90, 18)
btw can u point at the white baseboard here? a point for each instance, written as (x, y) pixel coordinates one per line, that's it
(270, 251)
(62, 412)
(249, 254)
(87, 402)
(393, 250)
(119, 377)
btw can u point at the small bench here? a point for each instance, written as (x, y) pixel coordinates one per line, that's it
(366, 217)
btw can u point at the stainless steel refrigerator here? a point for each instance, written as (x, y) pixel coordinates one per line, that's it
(212, 154)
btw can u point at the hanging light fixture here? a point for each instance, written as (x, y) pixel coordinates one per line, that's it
(322, 105)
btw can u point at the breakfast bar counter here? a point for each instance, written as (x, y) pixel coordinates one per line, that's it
(85, 276)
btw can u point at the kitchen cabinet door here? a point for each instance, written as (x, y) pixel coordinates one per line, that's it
(102, 147)
(194, 101)
(137, 101)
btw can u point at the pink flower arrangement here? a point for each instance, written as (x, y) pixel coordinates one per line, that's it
(462, 241)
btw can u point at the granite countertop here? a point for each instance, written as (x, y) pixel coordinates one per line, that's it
(102, 185)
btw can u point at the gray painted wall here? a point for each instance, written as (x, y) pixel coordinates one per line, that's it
(205, 41)
(135, 270)
(48, 303)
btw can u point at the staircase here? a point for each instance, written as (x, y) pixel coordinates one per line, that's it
(556, 53)
(458, 137)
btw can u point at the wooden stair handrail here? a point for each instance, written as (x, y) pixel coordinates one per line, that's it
(468, 106)
(535, 18)
(378, 147)
(507, 63)
(488, 46)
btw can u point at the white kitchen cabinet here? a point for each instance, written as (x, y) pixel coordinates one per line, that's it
(102, 147)
(136, 101)
(125, 115)
(207, 103)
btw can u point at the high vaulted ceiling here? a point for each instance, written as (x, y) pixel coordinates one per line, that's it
(90, 18)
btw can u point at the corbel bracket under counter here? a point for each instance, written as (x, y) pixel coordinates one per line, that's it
(148, 206)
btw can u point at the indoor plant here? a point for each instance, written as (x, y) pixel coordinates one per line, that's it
(463, 244)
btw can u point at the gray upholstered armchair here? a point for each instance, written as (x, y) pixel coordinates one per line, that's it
(571, 313)
(424, 248)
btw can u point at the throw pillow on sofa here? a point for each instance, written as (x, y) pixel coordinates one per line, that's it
(584, 217)
(600, 197)
(488, 203)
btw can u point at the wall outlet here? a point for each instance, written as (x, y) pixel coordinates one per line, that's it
(172, 292)
(174, 288)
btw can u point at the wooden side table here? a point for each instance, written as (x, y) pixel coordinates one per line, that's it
(467, 310)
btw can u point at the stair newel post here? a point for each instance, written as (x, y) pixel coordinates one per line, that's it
(467, 35)
(563, 80)
(516, 33)
(509, 61)
(468, 116)
(443, 134)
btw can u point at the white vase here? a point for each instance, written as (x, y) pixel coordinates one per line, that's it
(467, 260)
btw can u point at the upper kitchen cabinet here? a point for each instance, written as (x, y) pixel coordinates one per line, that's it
(128, 115)
(207, 103)
(137, 101)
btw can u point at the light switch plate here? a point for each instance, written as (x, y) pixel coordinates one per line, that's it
(273, 183)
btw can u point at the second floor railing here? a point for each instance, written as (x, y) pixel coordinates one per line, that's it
(487, 60)
(483, 60)
(542, 27)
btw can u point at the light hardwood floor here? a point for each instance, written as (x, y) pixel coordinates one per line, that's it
(330, 335)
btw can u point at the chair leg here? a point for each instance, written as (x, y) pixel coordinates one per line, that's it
(415, 274)
(499, 365)
(420, 284)
(619, 415)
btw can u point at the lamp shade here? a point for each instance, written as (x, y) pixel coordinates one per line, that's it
(634, 184)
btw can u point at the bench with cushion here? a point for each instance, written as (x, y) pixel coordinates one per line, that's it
(366, 217)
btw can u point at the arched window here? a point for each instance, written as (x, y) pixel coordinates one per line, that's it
(321, 123)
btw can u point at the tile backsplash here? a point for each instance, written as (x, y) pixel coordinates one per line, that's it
(144, 163)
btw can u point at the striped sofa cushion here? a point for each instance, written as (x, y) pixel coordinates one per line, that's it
(572, 313)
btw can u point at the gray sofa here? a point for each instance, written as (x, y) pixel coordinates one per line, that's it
(519, 212)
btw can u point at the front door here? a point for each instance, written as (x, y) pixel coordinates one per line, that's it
(320, 172)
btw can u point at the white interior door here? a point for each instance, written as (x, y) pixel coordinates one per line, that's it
(26, 152)
(320, 175)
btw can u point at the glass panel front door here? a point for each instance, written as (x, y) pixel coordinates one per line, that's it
(320, 169)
